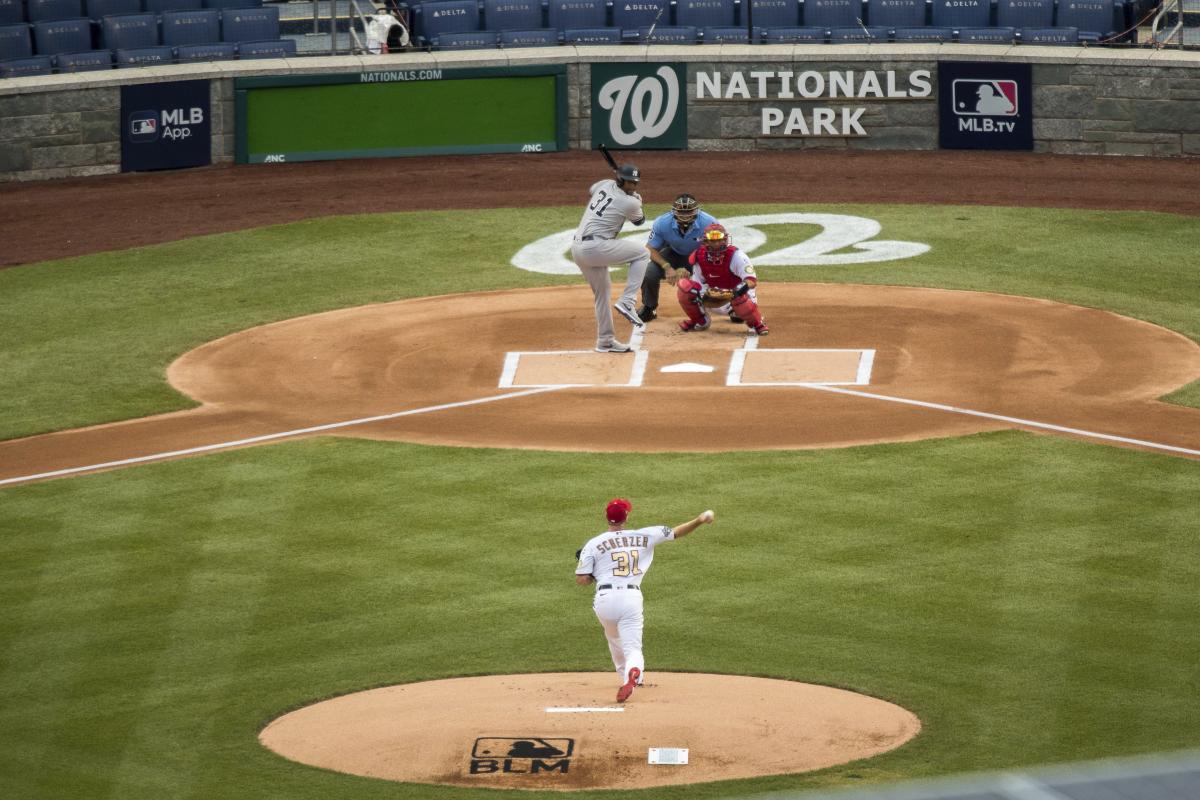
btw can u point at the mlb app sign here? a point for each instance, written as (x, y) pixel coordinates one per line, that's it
(165, 126)
(985, 106)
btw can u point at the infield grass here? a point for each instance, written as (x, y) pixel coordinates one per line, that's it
(1030, 598)
(88, 339)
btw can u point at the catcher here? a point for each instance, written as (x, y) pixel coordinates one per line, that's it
(721, 275)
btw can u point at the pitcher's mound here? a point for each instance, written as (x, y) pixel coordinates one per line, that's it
(566, 731)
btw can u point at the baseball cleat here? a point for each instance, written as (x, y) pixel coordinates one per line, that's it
(647, 314)
(628, 313)
(762, 330)
(735, 319)
(614, 347)
(689, 325)
(626, 690)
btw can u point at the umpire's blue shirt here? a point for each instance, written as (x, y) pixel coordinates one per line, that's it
(665, 231)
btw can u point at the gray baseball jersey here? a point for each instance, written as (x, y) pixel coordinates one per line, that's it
(608, 209)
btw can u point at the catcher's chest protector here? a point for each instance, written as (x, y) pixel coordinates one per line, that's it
(716, 270)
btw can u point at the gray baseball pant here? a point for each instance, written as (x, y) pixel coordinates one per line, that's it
(593, 257)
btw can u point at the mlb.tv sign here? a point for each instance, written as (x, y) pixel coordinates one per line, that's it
(985, 106)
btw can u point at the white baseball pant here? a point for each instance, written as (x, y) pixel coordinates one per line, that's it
(620, 612)
(593, 259)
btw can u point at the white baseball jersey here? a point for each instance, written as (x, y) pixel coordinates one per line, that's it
(608, 210)
(622, 557)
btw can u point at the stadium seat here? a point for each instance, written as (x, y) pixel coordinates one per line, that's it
(705, 13)
(20, 67)
(250, 24)
(724, 34)
(84, 61)
(987, 35)
(160, 6)
(793, 35)
(222, 5)
(12, 11)
(577, 14)
(1025, 13)
(62, 36)
(199, 26)
(925, 34)
(535, 37)
(665, 34)
(1048, 36)
(446, 16)
(48, 10)
(832, 13)
(141, 56)
(129, 32)
(959, 14)
(15, 41)
(209, 51)
(99, 9)
(631, 16)
(857, 35)
(464, 40)
(591, 36)
(512, 15)
(893, 14)
(1094, 19)
(270, 48)
(763, 14)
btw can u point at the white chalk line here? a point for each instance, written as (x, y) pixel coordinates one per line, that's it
(583, 710)
(273, 436)
(1001, 418)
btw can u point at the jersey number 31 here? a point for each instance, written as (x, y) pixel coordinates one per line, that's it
(627, 563)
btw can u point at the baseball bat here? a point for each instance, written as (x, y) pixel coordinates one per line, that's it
(608, 157)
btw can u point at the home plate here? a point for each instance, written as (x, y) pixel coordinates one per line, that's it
(687, 366)
(667, 755)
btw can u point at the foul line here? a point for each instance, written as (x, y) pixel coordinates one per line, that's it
(272, 436)
(583, 710)
(1001, 418)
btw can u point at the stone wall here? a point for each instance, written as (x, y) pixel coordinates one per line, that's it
(1086, 100)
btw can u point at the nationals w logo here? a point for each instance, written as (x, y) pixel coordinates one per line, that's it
(639, 104)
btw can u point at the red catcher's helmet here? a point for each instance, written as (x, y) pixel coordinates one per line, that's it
(715, 238)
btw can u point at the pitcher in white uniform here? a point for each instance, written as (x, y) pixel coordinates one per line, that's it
(616, 561)
(596, 247)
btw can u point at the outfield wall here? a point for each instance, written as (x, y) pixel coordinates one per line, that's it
(1085, 100)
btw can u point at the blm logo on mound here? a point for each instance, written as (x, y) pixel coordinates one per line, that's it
(522, 755)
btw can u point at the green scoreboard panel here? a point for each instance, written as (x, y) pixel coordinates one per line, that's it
(401, 113)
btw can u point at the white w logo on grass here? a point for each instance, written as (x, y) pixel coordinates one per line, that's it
(651, 102)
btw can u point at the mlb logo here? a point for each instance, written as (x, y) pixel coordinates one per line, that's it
(143, 126)
(985, 98)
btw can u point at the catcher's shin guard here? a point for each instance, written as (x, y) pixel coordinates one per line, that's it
(747, 309)
(688, 292)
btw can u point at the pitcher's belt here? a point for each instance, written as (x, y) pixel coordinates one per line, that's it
(604, 586)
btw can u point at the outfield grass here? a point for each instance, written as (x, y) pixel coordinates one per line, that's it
(88, 339)
(1030, 598)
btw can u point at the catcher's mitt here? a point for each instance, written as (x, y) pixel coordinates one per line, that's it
(716, 297)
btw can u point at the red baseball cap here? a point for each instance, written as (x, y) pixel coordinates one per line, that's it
(618, 510)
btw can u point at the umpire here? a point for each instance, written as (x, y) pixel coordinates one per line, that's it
(673, 237)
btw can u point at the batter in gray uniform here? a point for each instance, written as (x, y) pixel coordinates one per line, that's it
(596, 247)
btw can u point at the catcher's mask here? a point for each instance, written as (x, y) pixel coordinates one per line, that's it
(628, 173)
(715, 238)
(685, 208)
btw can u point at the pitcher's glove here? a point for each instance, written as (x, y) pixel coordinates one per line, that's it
(717, 297)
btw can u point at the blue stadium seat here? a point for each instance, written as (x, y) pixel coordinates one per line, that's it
(12, 11)
(85, 61)
(705, 13)
(773, 13)
(447, 16)
(1094, 19)
(895, 13)
(577, 14)
(961, 13)
(99, 9)
(632, 15)
(591, 36)
(250, 24)
(793, 35)
(226, 4)
(141, 56)
(534, 37)
(464, 40)
(1063, 37)
(987, 35)
(47, 10)
(62, 36)
(666, 34)
(15, 41)
(129, 32)
(724, 34)
(20, 67)
(270, 48)
(199, 26)
(512, 15)
(208, 51)
(924, 34)
(1025, 13)
(857, 35)
(832, 13)
(159, 6)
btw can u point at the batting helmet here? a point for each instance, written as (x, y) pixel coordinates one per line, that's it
(685, 208)
(628, 173)
(715, 237)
